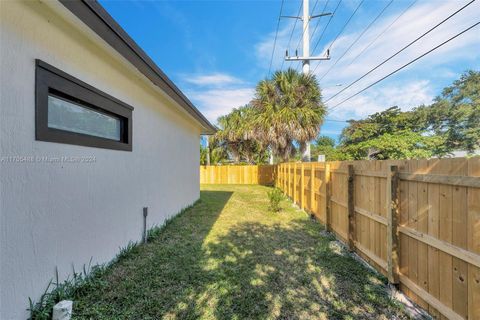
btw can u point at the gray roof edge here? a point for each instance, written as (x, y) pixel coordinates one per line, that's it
(102, 23)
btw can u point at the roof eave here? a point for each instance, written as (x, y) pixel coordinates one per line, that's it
(99, 20)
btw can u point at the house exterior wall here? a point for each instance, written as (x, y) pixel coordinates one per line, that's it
(55, 215)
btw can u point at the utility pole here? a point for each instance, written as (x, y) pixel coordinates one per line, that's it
(306, 58)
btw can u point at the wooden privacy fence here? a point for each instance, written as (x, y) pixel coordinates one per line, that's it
(416, 221)
(238, 174)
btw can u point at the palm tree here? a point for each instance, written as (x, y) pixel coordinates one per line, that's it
(235, 134)
(288, 108)
(218, 152)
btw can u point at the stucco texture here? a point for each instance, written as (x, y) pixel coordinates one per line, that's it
(59, 214)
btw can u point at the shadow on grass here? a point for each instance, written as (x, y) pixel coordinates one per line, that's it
(249, 271)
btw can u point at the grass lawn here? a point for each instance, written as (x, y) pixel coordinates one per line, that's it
(228, 257)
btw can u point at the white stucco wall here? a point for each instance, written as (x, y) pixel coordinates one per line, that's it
(55, 215)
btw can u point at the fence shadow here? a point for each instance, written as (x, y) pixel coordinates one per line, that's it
(249, 270)
(258, 271)
(156, 277)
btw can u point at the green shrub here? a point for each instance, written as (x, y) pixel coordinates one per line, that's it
(275, 196)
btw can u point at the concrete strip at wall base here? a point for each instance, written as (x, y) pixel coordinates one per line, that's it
(56, 214)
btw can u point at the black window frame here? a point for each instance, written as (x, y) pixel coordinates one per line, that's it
(52, 81)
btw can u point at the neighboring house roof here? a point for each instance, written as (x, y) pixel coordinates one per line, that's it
(97, 18)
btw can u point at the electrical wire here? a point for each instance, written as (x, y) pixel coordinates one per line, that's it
(291, 34)
(345, 25)
(305, 29)
(335, 120)
(326, 26)
(316, 26)
(341, 31)
(358, 38)
(275, 41)
(402, 49)
(383, 32)
(405, 65)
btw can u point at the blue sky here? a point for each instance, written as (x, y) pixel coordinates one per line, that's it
(216, 51)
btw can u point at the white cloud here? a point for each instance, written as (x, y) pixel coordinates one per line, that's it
(415, 22)
(217, 102)
(218, 93)
(410, 87)
(405, 96)
(263, 49)
(213, 79)
(413, 85)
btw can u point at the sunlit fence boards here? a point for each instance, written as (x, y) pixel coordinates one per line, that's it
(238, 174)
(416, 221)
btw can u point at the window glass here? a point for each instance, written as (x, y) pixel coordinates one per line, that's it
(70, 116)
(70, 111)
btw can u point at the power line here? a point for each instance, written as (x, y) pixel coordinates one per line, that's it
(326, 26)
(341, 31)
(323, 11)
(401, 50)
(358, 38)
(291, 34)
(316, 26)
(383, 32)
(304, 29)
(346, 23)
(275, 41)
(335, 120)
(406, 65)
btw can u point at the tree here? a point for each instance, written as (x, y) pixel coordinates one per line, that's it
(288, 108)
(235, 136)
(391, 134)
(385, 135)
(326, 146)
(218, 153)
(404, 144)
(389, 121)
(451, 123)
(455, 114)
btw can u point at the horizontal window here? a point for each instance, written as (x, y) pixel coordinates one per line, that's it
(69, 116)
(71, 111)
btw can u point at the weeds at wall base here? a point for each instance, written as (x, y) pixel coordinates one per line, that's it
(89, 277)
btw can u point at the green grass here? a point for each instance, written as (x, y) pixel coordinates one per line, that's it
(229, 257)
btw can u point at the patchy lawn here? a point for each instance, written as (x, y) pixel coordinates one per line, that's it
(228, 257)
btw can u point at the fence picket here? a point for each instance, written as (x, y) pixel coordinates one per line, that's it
(416, 221)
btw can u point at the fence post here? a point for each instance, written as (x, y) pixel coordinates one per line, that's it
(279, 176)
(351, 207)
(392, 230)
(295, 182)
(327, 197)
(289, 179)
(312, 185)
(276, 181)
(302, 187)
